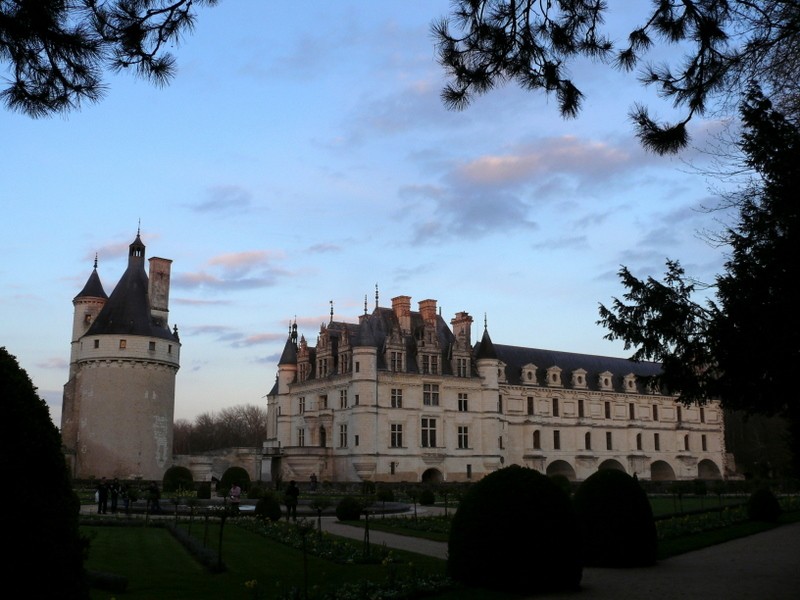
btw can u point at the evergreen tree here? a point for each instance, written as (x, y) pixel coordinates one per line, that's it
(743, 346)
(45, 551)
(722, 44)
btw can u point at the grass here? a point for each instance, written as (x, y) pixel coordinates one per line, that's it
(158, 567)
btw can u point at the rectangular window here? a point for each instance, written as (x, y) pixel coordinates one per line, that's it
(396, 435)
(430, 394)
(396, 361)
(343, 436)
(580, 409)
(323, 402)
(461, 367)
(555, 407)
(152, 346)
(537, 440)
(358, 367)
(342, 398)
(680, 416)
(123, 344)
(463, 436)
(355, 438)
(588, 440)
(301, 405)
(169, 349)
(556, 440)
(463, 402)
(97, 343)
(608, 410)
(500, 442)
(301, 437)
(703, 444)
(392, 467)
(638, 441)
(428, 433)
(608, 440)
(686, 443)
(702, 415)
(469, 471)
(500, 404)
(397, 398)
(631, 411)
(530, 405)
(656, 442)
(355, 400)
(655, 412)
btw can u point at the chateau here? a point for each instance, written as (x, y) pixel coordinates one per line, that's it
(400, 396)
(119, 401)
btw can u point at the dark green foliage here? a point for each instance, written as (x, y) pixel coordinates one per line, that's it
(515, 531)
(234, 475)
(177, 478)
(256, 491)
(268, 507)
(563, 482)
(427, 497)
(204, 490)
(33, 460)
(762, 505)
(384, 494)
(616, 521)
(349, 509)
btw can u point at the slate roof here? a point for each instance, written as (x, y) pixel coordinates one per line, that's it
(127, 310)
(93, 287)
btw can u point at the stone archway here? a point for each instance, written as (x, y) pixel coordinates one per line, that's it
(611, 464)
(707, 469)
(661, 470)
(561, 467)
(432, 476)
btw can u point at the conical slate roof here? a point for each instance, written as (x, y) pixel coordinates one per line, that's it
(127, 311)
(93, 287)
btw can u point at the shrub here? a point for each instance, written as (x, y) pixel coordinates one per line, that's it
(615, 521)
(762, 505)
(204, 490)
(563, 482)
(385, 494)
(268, 507)
(349, 509)
(177, 478)
(515, 531)
(427, 497)
(256, 491)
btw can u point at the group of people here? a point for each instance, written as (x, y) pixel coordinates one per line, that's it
(113, 491)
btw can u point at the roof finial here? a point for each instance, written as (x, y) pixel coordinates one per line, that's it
(331, 311)
(95, 260)
(485, 322)
(365, 304)
(139, 227)
(376, 295)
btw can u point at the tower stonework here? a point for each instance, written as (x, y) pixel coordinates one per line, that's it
(119, 403)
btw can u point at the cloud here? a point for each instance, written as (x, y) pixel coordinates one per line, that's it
(324, 248)
(235, 271)
(260, 338)
(224, 198)
(53, 363)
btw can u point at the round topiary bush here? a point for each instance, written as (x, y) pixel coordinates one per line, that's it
(515, 531)
(177, 478)
(762, 505)
(349, 509)
(615, 521)
(268, 507)
(427, 497)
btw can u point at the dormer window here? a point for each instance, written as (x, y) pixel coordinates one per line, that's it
(629, 383)
(554, 377)
(606, 381)
(529, 374)
(579, 378)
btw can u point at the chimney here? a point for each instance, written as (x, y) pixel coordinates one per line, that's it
(462, 329)
(427, 308)
(158, 289)
(401, 305)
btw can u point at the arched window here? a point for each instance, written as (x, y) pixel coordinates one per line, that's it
(537, 440)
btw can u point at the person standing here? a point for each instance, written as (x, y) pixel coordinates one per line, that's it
(236, 496)
(113, 491)
(102, 497)
(290, 499)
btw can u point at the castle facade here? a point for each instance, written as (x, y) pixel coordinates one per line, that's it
(402, 396)
(119, 402)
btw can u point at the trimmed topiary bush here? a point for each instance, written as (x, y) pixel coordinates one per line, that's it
(177, 478)
(515, 531)
(349, 509)
(427, 497)
(615, 521)
(268, 507)
(762, 505)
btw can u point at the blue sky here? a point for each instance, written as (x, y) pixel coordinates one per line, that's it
(301, 156)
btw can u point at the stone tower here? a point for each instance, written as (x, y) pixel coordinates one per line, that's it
(119, 403)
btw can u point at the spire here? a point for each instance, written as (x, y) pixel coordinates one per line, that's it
(331, 321)
(365, 304)
(93, 287)
(485, 347)
(376, 295)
